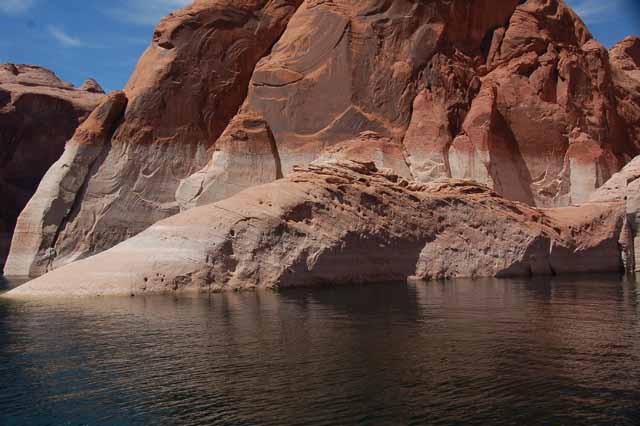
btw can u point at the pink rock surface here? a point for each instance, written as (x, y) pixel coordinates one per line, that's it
(344, 222)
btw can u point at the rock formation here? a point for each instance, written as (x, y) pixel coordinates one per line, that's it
(625, 65)
(38, 114)
(92, 86)
(341, 222)
(232, 94)
(341, 69)
(186, 88)
(545, 126)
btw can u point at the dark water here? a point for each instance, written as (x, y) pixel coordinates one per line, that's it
(542, 352)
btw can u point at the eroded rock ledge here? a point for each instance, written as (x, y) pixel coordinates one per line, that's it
(340, 222)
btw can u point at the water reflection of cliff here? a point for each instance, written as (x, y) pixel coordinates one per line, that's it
(440, 353)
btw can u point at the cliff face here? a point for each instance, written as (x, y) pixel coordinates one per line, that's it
(343, 68)
(545, 127)
(231, 94)
(344, 222)
(38, 114)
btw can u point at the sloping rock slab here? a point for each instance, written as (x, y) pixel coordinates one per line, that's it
(343, 222)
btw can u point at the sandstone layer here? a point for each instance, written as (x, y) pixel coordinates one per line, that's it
(38, 114)
(342, 222)
(515, 95)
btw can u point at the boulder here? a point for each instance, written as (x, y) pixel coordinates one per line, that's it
(38, 114)
(343, 222)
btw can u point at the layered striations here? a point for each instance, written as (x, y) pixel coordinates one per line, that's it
(38, 114)
(344, 222)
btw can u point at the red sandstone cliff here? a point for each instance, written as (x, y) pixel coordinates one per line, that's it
(233, 94)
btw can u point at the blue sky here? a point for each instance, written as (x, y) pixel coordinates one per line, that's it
(104, 38)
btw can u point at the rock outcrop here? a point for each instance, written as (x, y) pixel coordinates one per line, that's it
(342, 222)
(38, 114)
(232, 94)
(92, 86)
(344, 68)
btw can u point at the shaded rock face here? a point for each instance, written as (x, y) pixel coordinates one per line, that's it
(38, 114)
(343, 222)
(231, 94)
(56, 202)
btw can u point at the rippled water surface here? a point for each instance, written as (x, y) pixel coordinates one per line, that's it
(547, 352)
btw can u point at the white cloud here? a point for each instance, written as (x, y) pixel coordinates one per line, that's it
(144, 12)
(594, 11)
(64, 38)
(15, 7)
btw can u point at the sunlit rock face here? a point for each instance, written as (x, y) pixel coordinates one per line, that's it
(38, 114)
(343, 222)
(546, 126)
(514, 95)
(346, 68)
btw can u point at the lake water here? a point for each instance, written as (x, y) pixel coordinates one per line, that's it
(489, 352)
